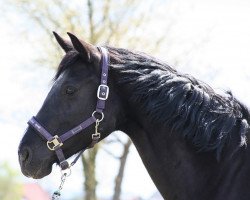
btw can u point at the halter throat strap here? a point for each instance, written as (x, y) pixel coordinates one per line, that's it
(55, 142)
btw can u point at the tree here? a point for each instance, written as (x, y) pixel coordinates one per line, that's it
(10, 187)
(117, 23)
(120, 174)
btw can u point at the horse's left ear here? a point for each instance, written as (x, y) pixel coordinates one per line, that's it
(86, 50)
(66, 46)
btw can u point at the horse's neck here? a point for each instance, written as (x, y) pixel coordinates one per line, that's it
(176, 169)
(167, 161)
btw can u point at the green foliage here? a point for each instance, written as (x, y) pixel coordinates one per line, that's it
(10, 186)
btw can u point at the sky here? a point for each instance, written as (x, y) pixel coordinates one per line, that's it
(209, 39)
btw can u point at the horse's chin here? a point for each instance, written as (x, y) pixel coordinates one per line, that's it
(37, 172)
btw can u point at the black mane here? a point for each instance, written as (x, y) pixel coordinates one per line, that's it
(180, 101)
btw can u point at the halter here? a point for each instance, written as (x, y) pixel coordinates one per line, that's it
(54, 143)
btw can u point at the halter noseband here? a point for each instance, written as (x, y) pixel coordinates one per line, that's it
(54, 143)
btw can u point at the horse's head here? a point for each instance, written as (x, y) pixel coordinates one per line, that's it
(71, 100)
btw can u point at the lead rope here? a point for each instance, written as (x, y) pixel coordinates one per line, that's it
(66, 173)
(57, 194)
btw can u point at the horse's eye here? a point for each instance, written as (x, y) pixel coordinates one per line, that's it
(70, 90)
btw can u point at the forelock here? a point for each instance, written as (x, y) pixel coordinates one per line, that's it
(68, 59)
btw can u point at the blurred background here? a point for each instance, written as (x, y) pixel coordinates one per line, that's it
(208, 39)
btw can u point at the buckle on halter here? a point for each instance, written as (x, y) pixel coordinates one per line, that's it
(103, 92)
(56, 142)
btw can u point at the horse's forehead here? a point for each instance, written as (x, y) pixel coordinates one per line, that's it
(62, 77)
(69, 74)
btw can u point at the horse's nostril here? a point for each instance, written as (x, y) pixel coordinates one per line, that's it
(24, 154)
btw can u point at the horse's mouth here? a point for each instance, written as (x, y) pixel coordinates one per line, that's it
(36, 172)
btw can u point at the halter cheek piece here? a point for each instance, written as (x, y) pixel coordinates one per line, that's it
(54, 143)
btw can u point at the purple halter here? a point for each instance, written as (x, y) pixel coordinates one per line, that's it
(54, 143)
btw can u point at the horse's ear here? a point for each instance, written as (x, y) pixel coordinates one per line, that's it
(66, 46)
(82, 47)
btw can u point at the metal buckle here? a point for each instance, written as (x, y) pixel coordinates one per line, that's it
(56, 142)
(103, 95)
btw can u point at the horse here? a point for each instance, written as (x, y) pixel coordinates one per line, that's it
(192, 140)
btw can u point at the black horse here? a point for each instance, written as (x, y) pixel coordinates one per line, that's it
(192, 140)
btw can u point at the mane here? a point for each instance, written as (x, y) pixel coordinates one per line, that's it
(179, 101)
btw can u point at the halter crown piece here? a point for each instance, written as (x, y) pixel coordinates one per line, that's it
(54, 143)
